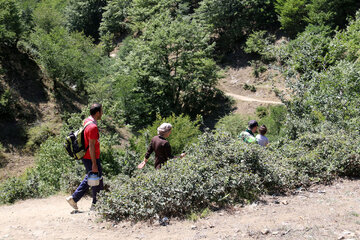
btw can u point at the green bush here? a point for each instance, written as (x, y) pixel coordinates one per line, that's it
(274, 118)
(6, 105)
(233, 20)
(2, 156)
(334, 13)
(160, 66)
(85, 16)
(11, 24)
(343, 45)
(70, 58)
(258, 68)
(39, 134)
(221, 170)
(208, 174)
(48, 14)
(262, 112)
(292, 15)
(113, 17)
(260, 43)
(250, 87)
(234, 124)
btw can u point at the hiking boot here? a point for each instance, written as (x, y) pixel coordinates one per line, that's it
(93, 207)
(164, 221)
(72, 203)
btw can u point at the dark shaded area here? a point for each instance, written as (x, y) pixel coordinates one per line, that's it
(67, 99)
(223, 106)
(22, 78)
(23, 75)
(237, 58)
(13, 135)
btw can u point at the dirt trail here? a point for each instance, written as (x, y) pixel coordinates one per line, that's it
(246, 101)
(249, 99)
(323, 212)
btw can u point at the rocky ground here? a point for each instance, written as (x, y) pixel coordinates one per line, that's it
(321, 212)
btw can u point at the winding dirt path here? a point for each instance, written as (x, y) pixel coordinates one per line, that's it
(249, 99)
(322, 212)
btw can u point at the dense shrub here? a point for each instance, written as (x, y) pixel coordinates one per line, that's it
(85, 16)
(234, 124)
(273, 117)
(48, 14)
(232, 20)
(2, 156)
(39, 134)
(208, 174)
(292, 15)
(260, 44)
(69, 58)
(6, 105)
(344, 44)
(221, 170)
(334, 13)
(11, 24)
(114, 16)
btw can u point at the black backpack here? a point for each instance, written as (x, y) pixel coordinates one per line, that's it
(75, 143)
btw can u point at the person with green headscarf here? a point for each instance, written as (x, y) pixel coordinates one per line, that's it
(248, 135)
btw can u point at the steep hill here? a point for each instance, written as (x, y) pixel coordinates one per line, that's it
(30, 108)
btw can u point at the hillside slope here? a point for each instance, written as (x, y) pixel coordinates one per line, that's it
(32, 110)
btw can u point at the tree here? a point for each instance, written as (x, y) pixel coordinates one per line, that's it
(168, 70)
(48, 14)
(114, 19)
(85, 15)
(292, 15)
(232, 20)
(70, 58)
(11, 24)
(331, 12)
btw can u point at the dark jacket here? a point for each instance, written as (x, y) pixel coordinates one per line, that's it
(162, 150)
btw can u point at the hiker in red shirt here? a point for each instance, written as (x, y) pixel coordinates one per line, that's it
(91, 159)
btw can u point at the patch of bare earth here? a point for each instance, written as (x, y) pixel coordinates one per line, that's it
(16, 165)
(321, 212)
(233, 84)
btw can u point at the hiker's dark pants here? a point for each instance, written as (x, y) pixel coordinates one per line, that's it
(83, 187)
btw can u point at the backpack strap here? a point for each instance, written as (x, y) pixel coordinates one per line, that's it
(87, 124)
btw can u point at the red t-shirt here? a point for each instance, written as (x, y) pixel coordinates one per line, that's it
(91, 132)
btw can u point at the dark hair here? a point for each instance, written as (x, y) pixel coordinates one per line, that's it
(95, 107)
(252, 124)
(262, 130)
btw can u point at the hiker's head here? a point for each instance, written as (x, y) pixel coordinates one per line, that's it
(164, 130)
(262, 130)
(96, 111)
(253, 125)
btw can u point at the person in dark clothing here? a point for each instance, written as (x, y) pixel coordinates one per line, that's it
(160, 146)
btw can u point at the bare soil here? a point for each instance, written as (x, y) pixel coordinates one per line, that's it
(321, 212)
(246, 101)
(15, 165)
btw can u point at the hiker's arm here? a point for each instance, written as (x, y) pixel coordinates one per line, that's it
(92, 155)
(149, 151)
